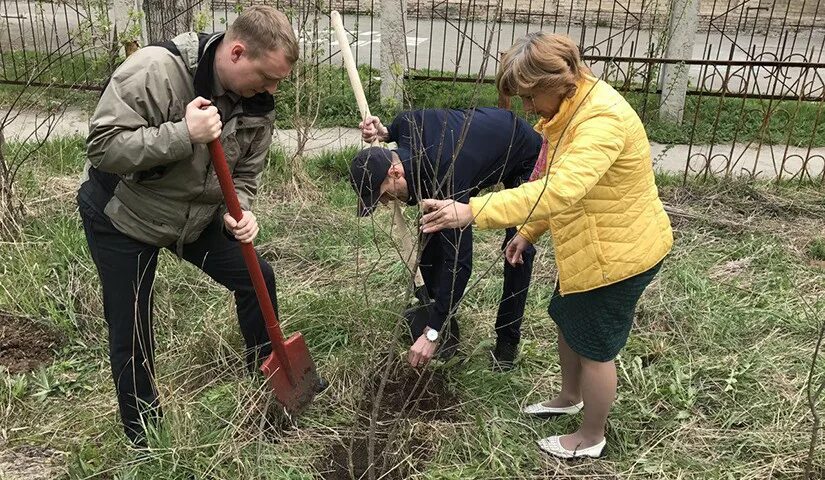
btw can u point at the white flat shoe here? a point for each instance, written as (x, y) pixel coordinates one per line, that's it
(552, 445)
(542, 411)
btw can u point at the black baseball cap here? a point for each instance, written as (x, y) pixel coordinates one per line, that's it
(368, 170)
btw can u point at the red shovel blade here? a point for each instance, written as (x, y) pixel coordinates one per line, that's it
(294, 388)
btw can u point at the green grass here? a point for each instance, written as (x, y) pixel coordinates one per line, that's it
(794, 123)
(711, 382)
(41, 97)
(60, 67)
(329, 95)
(817, 248)
(721, 120)
(80, 71)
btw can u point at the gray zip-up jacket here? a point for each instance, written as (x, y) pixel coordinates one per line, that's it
(147, 176)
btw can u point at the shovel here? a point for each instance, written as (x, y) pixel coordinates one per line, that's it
(289, 369)
(418, 315)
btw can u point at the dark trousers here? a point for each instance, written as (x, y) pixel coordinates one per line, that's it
(127, 272)
(513, 296)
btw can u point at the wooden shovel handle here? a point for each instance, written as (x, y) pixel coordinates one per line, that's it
(408, 252)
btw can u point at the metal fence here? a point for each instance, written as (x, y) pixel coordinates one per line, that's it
(62, 43)
(755, 68)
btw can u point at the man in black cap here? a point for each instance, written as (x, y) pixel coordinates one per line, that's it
(451, 154)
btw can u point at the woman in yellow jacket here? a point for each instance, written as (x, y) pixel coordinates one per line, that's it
(593, 189)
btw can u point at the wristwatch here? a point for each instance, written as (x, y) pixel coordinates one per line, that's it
(432, 335)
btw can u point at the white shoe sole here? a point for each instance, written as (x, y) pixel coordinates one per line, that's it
(552, 446)
(541, 411)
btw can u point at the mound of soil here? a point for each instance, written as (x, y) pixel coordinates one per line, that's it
(414, 395)
(25, 345)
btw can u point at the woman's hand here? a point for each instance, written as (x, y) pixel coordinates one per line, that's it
(444, 214)
(514, 249)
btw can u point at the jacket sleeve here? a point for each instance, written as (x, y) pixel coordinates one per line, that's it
(597, 143)
(126, 134)
(532, 231)
(248, 171)
(454, 273)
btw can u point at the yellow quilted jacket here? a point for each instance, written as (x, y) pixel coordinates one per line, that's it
(597, 195)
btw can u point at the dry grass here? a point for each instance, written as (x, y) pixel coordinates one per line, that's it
(712, 381)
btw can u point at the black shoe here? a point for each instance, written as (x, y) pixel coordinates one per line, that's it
(504, 356)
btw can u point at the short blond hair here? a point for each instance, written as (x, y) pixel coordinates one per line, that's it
(543, 61)
(263, 28)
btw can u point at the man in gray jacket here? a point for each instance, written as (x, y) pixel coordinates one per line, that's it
(148, 183)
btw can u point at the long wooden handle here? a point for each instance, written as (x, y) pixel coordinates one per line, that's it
(349, 64)
(273, 328)
(398, 225)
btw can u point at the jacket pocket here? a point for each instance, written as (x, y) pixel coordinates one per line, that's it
(594, 239)
(151, 174)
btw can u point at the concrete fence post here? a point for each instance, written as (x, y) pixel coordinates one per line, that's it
(393, 51)
(681, 34)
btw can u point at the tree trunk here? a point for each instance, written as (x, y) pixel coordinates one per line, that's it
(167, 18)
(6, 208)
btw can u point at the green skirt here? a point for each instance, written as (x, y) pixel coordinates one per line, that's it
(596, 323)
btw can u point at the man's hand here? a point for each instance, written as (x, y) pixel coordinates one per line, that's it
(246, 230)
(373, 130)
(514, 249)
(445, 214)
(422, 350)
(202, 120)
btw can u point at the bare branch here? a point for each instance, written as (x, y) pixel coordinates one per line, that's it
(813, 396)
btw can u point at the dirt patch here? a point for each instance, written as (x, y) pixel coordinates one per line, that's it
(30, 463)
(24, 344)
(408, 396)
(410, 393)
(389, 463)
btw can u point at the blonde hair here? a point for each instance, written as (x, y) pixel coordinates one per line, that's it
(263, 28)
(543, 61)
